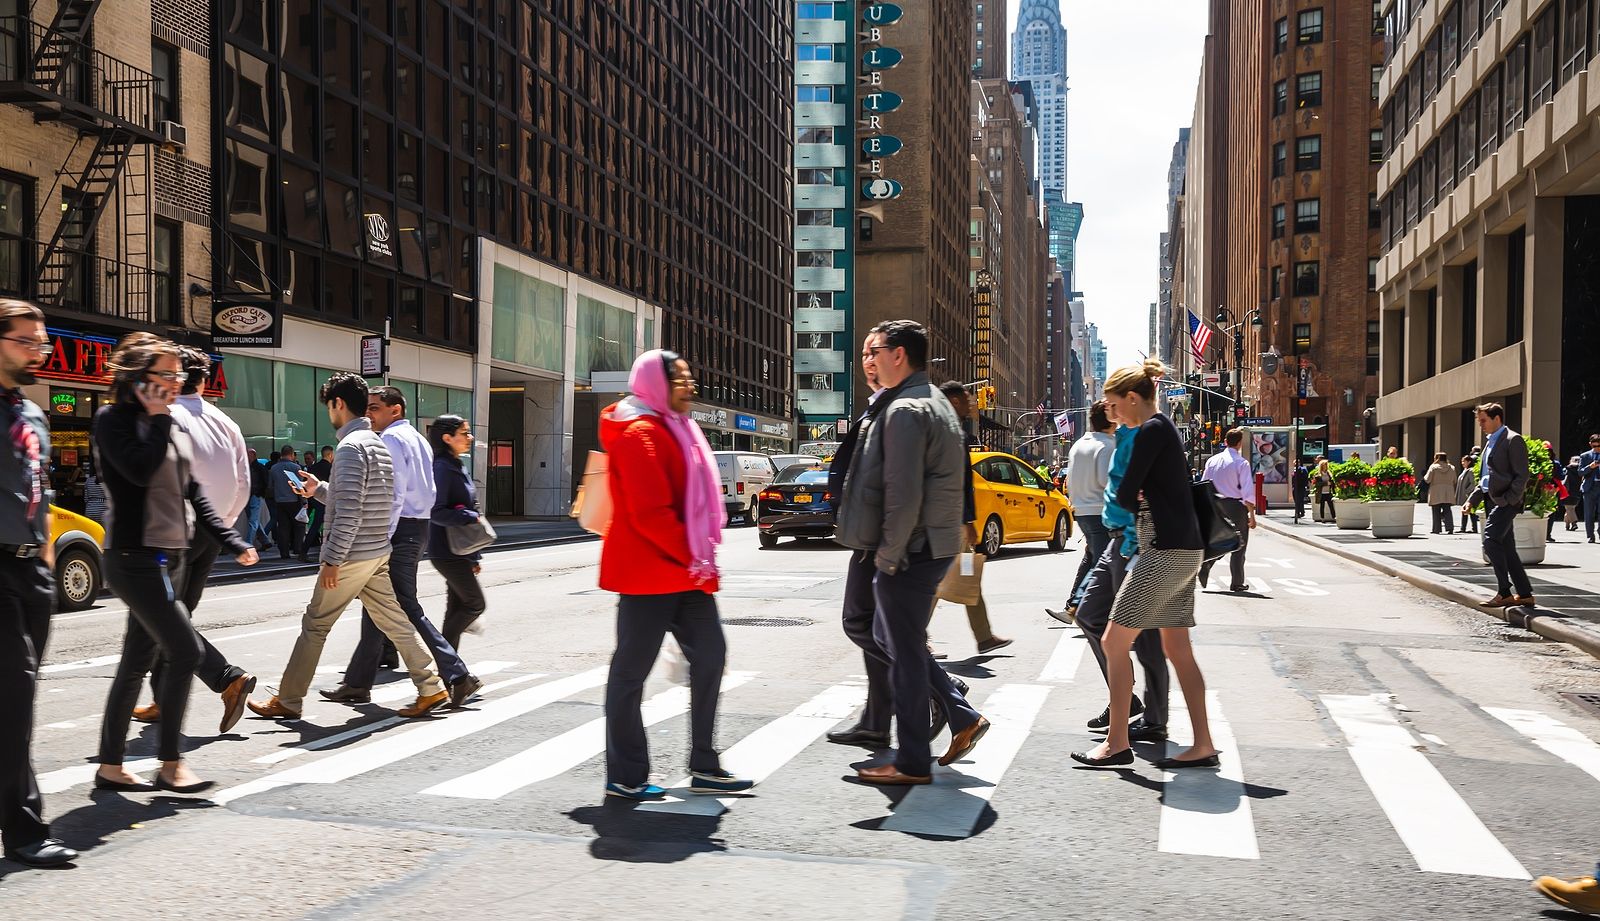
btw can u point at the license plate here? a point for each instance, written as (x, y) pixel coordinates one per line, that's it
(801, 498)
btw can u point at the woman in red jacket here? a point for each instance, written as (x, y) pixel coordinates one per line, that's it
(660, 556)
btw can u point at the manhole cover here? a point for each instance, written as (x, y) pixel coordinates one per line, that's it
(1588, 700)
(769, 621)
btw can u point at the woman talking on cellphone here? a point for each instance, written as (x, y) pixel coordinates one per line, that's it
(147, 463)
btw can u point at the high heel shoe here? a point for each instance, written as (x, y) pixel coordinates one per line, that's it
(1118, 759)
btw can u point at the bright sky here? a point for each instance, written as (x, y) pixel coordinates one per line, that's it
(1132, 78)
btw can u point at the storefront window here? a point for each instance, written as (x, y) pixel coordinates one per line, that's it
(528, 318)
(605, 338)
(460, 403)
(295, 406)
(248, 401)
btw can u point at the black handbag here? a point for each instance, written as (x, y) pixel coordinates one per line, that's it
(1216, 531)
(467, 539)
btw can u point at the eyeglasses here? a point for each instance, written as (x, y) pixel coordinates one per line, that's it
(42, 346)
(177, 377)
(683, 382)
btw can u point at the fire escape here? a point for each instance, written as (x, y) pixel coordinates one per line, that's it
(52, 71)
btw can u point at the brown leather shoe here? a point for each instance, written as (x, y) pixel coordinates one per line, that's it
(150, 714)
(1498, 601)
(273, 710)
(887, 775)
(1522, 601)
(963, 742)
(424, 704)
(233, 700)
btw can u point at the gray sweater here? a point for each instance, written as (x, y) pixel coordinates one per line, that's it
(360, 501)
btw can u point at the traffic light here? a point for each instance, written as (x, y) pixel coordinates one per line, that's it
(985, 398)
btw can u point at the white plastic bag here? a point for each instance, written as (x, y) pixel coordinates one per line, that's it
(674, 666)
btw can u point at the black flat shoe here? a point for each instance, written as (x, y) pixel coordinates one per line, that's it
(163, 784)
(47, 853)
(1121, 758)
(106, 783)
(855, 735)
(1140, 731)
(1173, 764)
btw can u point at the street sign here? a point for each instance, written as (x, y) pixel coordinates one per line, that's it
(1211, 379)
(372, 356)
(1258, 420)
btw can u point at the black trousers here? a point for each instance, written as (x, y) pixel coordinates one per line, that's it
(642, 623)
(157, 623)
(1473, 517)
(464, 601)
(859, 610)
(1444, 517)
(287, 532)
(314, 529)
(1325, 506)
(1239, 516)
(27, 599)
(1500, 546)
(900, 625)
(189, 578)
(1095, 613)
(405, 552)
(1299, 504)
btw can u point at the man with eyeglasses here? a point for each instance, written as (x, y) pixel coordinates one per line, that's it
(1589, 465)
(27, 585)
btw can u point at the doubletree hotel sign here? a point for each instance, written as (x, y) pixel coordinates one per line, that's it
(877, 146)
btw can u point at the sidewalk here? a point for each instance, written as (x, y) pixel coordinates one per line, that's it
(515, 533)
(1566, 584)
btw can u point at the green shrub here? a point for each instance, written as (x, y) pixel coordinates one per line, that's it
(1540, 498)
(1392, 480)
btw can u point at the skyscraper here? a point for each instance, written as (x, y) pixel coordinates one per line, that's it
(1039, 56)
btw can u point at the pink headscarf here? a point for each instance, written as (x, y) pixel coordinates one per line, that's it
(702, 501)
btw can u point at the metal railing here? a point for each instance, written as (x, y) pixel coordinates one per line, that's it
(96, 284)
(118, 90)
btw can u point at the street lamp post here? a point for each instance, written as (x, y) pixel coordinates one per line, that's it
(1225, 317)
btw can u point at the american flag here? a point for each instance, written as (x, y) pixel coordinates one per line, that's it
(1199, 336)
(1040, 408)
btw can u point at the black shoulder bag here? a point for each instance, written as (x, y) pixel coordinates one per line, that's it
(1219, 535)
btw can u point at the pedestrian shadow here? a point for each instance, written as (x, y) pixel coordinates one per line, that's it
(95, 823)
(894, 795)
(626, 834)
(1559, 914)
(972, 667)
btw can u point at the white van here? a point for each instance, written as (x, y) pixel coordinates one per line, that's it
(744, 474)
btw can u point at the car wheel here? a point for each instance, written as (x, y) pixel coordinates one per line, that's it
(993, 538)
(1062, 533)
(768, 540)
(77, 579)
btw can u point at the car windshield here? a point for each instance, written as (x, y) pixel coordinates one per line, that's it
(802, 475)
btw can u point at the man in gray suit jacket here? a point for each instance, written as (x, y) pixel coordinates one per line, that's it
(1505, 479)
(901, 511)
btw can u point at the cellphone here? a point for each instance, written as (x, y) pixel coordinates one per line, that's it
(295, 479)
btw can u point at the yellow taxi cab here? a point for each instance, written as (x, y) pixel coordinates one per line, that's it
(78, 571)
(1015, 505)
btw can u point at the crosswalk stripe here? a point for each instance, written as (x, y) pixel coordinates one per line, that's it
(951, 806)
(1207, 812)
(366, 729)
(1068, 655)
(1259, 585)
(1553, 736)
(66, 778)
(425, 736)
(761, 753)
(400, 690)
(1436, 825)
(566, 751)
(79, 665)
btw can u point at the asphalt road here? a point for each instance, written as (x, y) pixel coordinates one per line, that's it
(1389, 756)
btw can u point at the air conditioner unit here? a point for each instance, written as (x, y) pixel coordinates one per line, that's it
(174, 134)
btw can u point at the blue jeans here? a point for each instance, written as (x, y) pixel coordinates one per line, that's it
(253, 516)
(1095, 538)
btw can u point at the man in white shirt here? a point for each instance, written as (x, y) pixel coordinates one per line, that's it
(408, 529)
(1088, 472)
(1230, 473)
(222, 471)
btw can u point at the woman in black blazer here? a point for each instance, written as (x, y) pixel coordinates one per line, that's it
(455, 503)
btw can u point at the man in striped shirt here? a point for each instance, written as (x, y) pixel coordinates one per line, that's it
(1230, 473)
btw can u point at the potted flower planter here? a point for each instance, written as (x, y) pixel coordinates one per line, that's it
(1529, 531)
(1351, 514)
(1392, 518)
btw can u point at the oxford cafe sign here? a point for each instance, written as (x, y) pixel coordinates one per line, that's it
(877, 146)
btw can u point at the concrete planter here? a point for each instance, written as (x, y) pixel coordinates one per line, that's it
(1529, 533)
(1351, 515)
(1392, 518)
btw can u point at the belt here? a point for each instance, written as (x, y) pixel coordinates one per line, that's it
(21, 551)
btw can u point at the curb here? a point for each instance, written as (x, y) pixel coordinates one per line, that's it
(1551, 626)
(301, 569)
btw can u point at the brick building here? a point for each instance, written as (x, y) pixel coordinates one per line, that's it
(914, 262)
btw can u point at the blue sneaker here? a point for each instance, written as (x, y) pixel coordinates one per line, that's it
(718, 782)
(642, 793)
